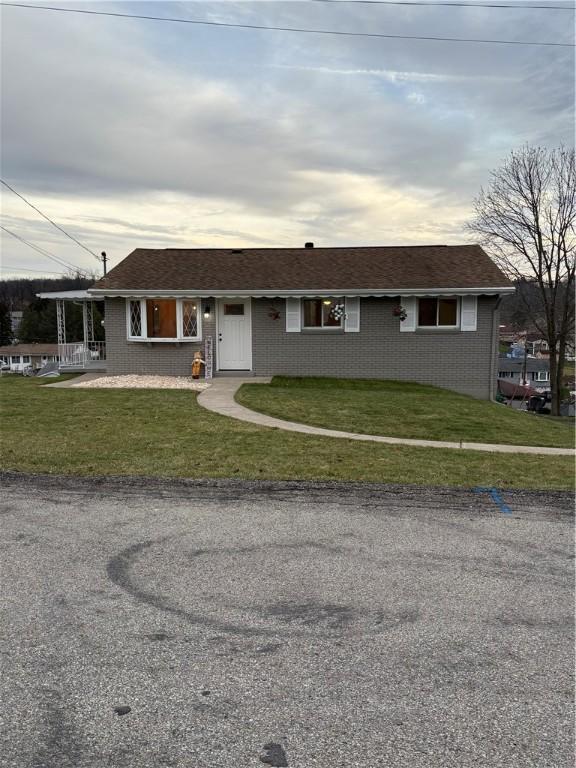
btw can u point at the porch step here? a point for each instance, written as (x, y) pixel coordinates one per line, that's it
(233, 374)
(82, 369)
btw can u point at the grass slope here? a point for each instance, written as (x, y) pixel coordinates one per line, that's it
(402, 409)
(165, 433)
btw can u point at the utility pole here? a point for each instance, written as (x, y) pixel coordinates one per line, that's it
(104, 260)
(524, 365)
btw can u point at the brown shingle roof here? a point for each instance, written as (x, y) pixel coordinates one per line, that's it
(29, 349)
(286, 269)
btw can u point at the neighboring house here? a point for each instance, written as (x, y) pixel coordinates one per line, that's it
(517, 341)
(517, 351)
(535, 374)
(18, 357)
(507, 336)
(538, 347)
(308, 312)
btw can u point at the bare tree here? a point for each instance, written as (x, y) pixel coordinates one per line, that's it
(526, 218)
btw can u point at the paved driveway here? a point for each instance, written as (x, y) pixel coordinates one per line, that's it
(316, 625)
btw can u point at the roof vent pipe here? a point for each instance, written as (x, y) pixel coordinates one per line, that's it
(308, 245)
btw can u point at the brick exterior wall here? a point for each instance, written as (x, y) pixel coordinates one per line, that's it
(151, 357)
(462, 361)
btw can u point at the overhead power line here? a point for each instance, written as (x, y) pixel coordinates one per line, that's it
(284, 29)
(49, 219)
(455, 5)
(43, 251)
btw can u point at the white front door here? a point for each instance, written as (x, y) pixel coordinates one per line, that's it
(234, 335)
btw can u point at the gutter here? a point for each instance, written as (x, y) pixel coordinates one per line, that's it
(495, 351)
(301, 293)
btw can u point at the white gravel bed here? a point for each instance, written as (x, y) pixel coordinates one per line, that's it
(143, 382)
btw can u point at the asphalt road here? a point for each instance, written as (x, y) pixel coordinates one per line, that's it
(298, 624)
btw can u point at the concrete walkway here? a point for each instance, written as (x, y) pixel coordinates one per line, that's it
(219, 398)
(75, 379)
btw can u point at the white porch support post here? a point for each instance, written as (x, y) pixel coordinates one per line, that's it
(88, 328)
(61, 321)
(61, 329)
(90, 320)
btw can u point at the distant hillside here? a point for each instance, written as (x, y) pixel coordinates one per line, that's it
(18, 293)
(519, 309)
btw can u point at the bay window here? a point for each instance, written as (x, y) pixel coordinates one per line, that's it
(190, 317)
(163, 319)
(135, 319)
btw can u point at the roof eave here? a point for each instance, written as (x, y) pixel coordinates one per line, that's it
(78, 295)
(300, 293)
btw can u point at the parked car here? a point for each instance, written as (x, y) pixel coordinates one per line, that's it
(540, 403)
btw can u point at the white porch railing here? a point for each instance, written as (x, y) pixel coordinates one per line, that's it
(82, 354)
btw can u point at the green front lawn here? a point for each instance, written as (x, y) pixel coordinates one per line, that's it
(166, 433)
(402, 409)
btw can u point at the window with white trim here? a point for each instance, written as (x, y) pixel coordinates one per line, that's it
(135, 318)
(190, 319)
(163, 319)
(439, 312)
(323, 313)
(540, 376)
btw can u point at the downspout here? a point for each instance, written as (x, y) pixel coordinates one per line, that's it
(495, 349)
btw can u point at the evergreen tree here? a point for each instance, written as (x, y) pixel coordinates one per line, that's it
(6, 335)
(39, 323)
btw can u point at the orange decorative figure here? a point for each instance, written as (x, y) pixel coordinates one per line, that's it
(197, 364)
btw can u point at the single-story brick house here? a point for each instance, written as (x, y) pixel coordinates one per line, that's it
(427, 314)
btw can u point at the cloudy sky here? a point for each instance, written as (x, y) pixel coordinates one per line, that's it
(132, 133)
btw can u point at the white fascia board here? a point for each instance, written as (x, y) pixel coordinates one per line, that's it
(301, 293)
(70, 295)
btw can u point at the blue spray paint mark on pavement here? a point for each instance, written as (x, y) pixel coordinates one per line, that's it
(496, 498)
